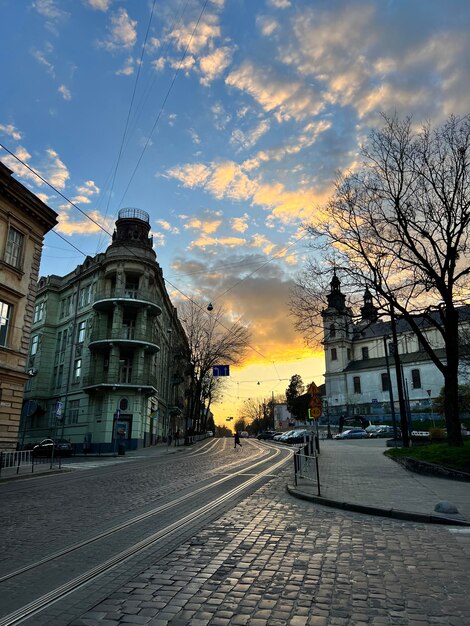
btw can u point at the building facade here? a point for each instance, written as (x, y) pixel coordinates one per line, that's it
(24, 220)
(109, 353)
(356, 358)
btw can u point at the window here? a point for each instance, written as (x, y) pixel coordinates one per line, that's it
(85, 296)
(73, 410)
(385, 385)
(391, 349)
(77, 369)
(349, 354)
(65, 306)
(334, 354)
(14, 250)
(332, 331)
(58, 374)
(416, 379)
(357, 384)
(365, 353)
(5, 318)
(81, 332)
(63, 344)
(34, 344)
(38, 312)
(123, 404)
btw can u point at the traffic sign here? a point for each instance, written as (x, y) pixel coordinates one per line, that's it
(315, 401)
(221, 370)
(314, 413)
(58, 409)
(313, 389)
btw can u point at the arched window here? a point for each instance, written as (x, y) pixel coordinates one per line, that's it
(123, 404)
(332, 330)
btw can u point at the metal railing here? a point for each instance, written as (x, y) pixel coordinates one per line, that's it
(128, 294)
(96, 377)
(125, 333)
(306, 465)
(23, 462)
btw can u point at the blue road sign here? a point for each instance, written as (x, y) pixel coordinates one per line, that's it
(221, 370)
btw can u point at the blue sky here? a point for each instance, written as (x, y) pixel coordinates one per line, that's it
(242, 113)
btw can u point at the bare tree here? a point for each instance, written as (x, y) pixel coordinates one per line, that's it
(212, 341)
(399, 226)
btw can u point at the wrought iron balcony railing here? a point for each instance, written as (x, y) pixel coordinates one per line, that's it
(125, 334)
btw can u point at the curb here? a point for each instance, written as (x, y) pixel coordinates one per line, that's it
(430, 469)
(375, 510)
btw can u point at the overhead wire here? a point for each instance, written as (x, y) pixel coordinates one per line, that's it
(126, 125)
(165, 99)
(85, 214)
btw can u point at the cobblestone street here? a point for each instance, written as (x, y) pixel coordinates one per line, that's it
(274, 560)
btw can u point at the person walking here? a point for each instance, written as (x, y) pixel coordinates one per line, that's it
(237, 441)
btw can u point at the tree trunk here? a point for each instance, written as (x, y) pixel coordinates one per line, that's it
(451, 380)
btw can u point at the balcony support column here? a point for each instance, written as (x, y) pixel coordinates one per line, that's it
(117, 320)
(113, 371)
(139, 365)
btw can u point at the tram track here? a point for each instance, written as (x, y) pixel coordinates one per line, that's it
(183, 521)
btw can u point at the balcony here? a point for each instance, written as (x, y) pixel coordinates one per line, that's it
(133, 298)
(100, 379)
(126, 337)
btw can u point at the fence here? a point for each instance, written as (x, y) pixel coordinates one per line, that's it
(23, 462)
(306, 465)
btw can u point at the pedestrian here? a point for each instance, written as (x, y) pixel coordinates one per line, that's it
(237, 440)
(169, 439)
(177, 438)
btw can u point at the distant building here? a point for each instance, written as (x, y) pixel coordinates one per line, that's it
(355, 360)
(24, 220)
(109, 350)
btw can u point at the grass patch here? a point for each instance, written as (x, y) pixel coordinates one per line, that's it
(438, 453)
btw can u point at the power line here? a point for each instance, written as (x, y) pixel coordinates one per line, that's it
(167, 95)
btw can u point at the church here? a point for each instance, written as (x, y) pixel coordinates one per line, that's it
(356, 358)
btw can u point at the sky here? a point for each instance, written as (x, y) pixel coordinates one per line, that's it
(227, 121)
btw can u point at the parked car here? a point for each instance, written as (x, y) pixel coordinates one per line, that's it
(297, 436)
(281, 436)
(61, 447)
(266, 434)
(209, 433)
(353, 433)
(372, 430)
(244, 434)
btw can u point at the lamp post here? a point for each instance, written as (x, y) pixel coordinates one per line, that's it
(390, 391)
(328, 425)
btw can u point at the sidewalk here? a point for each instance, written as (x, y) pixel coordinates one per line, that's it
(43, 467)
(356, 475)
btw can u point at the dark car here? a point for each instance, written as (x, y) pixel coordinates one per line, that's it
(61, 447)
(297, 436)
(266, 434)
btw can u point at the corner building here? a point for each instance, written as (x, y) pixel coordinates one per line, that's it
(110, 355)
(24, 220)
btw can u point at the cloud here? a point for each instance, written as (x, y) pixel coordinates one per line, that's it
(159, 64)
(228, 180)
(194, 136)
(206, 226)
(187, 36)
(286, 98)
(267, 24)
(41, 58)
(168, 227)
(89, 188)
(127, 69)
(122, 32)
(279, 4)
(57, 172)
(250, 138)
(11, 131)
(239, 224)
(205, 241)
(98, 5)
(213, 64)
(82, 226)
(65, 91)
(48, 8)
